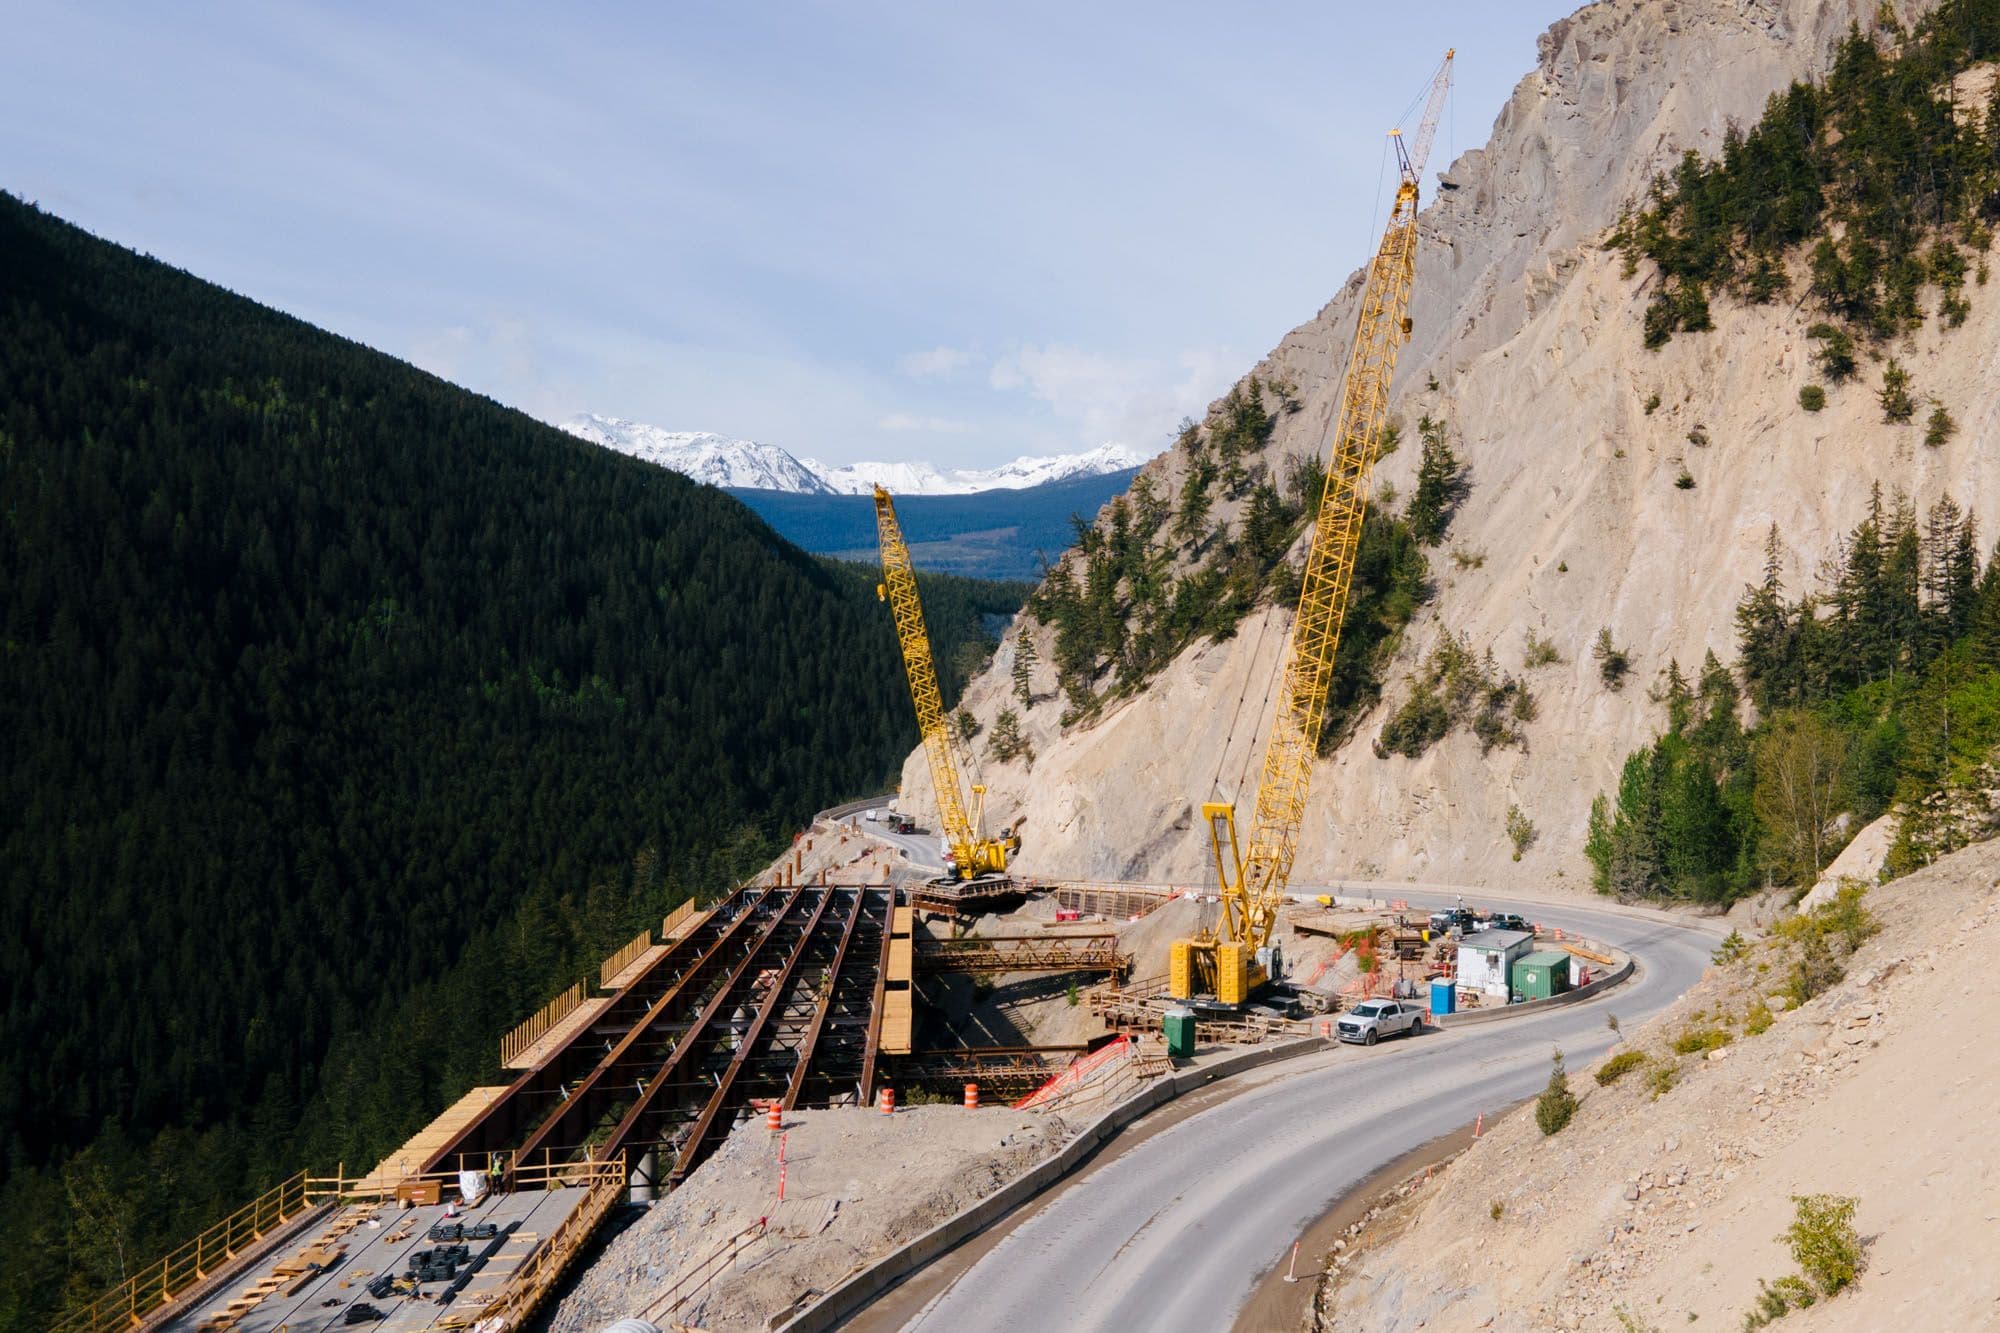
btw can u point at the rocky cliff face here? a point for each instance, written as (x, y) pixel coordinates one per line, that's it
(1530, 331)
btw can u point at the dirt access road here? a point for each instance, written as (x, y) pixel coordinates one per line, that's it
(1174, 1233)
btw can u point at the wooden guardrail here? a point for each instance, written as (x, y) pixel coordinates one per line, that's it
(158, 1283)
(674, 919)
(618, 962)
(550, 1014)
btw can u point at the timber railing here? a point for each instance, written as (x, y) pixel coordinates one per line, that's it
(619, 961)
(529, 1283)
(674, 920)
(157, 1284)
(550, 1014)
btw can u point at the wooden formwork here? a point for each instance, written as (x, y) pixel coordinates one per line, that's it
(521, 1039)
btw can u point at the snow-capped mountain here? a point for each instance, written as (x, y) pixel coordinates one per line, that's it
(927, 479)
(715, 459)
(722, 461)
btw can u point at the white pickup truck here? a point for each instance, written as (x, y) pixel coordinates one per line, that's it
(1373, 1019)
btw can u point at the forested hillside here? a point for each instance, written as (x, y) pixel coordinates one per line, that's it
(347, 716)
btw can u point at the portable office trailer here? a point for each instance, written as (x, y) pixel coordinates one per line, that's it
(1486, 961)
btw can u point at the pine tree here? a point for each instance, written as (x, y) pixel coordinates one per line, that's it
(1438, 485)
(1986, 614)
(1632, 863)
(1719, 734)
(1897, 405)
(1902, 574)
(1678, 698)
(1025, 658)
(1764, 631)
(1598, 844)
(1557, 1104)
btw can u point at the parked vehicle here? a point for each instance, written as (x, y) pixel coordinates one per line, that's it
(1372, 1020)
(1509, 921)
(1462, 920)
(901, 823)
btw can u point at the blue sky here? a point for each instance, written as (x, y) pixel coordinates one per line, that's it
(851, 230)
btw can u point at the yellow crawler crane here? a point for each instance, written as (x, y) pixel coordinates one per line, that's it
(973, 854)
(1232, 962)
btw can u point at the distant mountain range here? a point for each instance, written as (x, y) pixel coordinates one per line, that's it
(747, 465)
(991, 534)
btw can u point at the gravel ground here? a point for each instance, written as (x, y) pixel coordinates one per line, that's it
(857, 1185)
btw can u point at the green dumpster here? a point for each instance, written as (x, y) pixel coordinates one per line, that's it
(1537, 976)
(1179, 1026)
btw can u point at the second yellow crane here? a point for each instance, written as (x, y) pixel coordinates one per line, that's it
(970, 853)
(1231, 963)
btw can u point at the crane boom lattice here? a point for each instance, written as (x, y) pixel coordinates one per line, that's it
(971, 853)
(1253, 882)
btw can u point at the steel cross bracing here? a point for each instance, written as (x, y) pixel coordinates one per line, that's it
(704, 1046)
(840, 1065)
(1021, 953)
(658, 1110)
(1002, 1072)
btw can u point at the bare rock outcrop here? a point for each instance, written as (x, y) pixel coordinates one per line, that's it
(1531, 331)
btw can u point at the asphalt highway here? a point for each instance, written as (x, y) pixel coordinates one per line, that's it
(1174, 1233)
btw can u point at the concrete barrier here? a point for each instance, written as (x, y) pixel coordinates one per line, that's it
(870, 1282)
(834, 814)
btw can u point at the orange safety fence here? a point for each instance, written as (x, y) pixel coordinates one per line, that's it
(1079, 1069)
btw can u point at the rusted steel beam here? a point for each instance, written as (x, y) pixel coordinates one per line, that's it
(604, 1087)
(697, 1144)
(501, 1125)
(811, 1041)
(676, 1063)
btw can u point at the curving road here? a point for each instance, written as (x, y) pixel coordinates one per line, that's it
(1173, 1233)
(920, 850)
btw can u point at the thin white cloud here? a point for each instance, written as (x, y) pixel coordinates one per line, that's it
(936, 363)
(932, 425)
(1127, 400)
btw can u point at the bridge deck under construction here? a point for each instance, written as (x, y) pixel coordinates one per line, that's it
(775, 994)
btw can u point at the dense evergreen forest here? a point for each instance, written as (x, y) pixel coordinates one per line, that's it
(1158, 572)
(347, 717)
(1878, 694)
(1884, 175)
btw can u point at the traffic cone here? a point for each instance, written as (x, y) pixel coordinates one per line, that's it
(888, 1101)
(774, 1119)
(972, 1096)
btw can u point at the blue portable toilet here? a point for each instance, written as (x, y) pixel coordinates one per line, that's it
(1444, 999)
